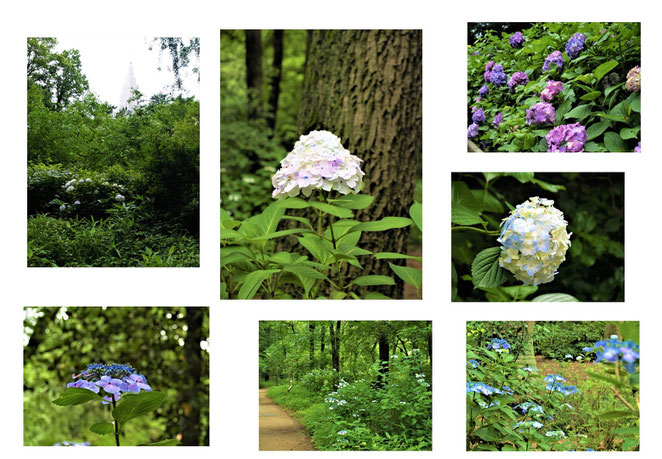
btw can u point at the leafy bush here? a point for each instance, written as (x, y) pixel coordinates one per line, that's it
(594, 92)
(556, 340)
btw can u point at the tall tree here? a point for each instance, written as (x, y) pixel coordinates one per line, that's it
(190, 421)
(335, 349)
(276, 69)
(311, 330)
(180, 53)
(365, 86)
(382, 376)
(254, 73)
(528, 357)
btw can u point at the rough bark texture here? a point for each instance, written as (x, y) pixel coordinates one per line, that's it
(365, 87)
(528, 357)
(382, 376)
(335, 350)
(274, 83)
(253, 73)
(191, 419)
(311, 329)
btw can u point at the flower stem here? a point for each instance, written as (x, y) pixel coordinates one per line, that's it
(117, 427)
(472, 228)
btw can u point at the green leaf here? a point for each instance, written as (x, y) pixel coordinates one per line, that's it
(133, 405)
(416, 214)
(635, 105)
(596, 129)
(453, 282)
(372, 279)
(339, 212)
(75, 396)
(384, 224)
(103, 428)
(316, 247)
(304, 272)
(580, 112)
(630, 133)
(412, 276)
(485, 269)
(614, 143)
(281, 233)
(461, 215)
(629, 331)
(617, 414)
(376, 296)
(487, 433)
(293, 203)
(562, 110)
(591, 95)
(253, 281)
(555, 298)
(353, 201)
(171, 442)
(461, 196)
(604, 69)
(548, 186)
(395, 256)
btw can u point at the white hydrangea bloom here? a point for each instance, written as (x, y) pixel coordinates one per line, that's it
(69, 183)
(63, 208)
(534, 240)
(318, 160)
(70, 189)
(119, 198)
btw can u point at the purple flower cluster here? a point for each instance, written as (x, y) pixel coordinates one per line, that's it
(472, 131)
(498, 344)
(478, 116)
(541, 113)
(497, 120)
(637, 149)
(575, 45)
(488, 71)
(554, 58)
(113, 378)
(516, 79)
(484, 91)
(498, 77)
(613, 350)
(552, 89)
(633, 79)
(567, 138)
(516, 40)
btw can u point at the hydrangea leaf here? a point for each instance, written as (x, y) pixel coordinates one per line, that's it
(102, 428)
(614, 143)
(133, 405)
(580, 112)
(373, 279)
(170, 442)
(395, 256)
(353, 201)
(603, 69)
(75, 396)
(340, 212)
(384, 224)
(485, 269)
(555, 298)
(376, 296)
(629, 133)
(596, 129)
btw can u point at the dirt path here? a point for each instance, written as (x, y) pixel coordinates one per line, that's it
(278, 430)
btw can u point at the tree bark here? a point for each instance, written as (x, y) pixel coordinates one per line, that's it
(190, 420)
(365, 86)
(382, 376)
(335, 350)
(277, 67)
(253, 74)
(311, 329)
(528, 357)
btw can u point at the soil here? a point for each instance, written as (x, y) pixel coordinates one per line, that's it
(574, 372)
(410, 291)
(278, 430)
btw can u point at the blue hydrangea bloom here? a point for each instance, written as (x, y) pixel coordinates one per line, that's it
(478, 116)
(484, 91)
(472, 131)
(498, 344)
(498, 77)
(115, 380)
(516, 40)
(575, 45)
(554, 58)
(474, 363)
(612, 350)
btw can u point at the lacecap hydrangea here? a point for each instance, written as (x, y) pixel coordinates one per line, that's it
(318, 161)
(534, 241)
(115, 380)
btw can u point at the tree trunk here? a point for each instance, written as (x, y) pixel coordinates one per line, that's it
(253, 74)
(528, 357)
(335, 351)
(311, 329)
(365, 86)
(383, 359)
(190, 421)
(277, 66)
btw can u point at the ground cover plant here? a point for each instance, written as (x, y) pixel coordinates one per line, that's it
(339, 216)
(353, 385)
(74, 393)
(107, 185)
(537, 237)
(554, 87)
(589, 403)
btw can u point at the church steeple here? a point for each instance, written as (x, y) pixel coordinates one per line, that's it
(127, 91)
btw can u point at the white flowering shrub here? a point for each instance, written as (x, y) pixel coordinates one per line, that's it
(534, 241)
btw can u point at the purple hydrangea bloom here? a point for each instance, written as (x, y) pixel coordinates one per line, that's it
(516, 79)
(498, 77)
(478, 116)
(541, 113)
(613, 350)
(497, 120)
(488, 71)
(475, 53)
(637, 149)
(554, 58)
(575, 45)
(484, 91)
(472, 131)
(567, 138)
(516, 40)
(489, 65)
(552, 89)
(113, 378)
(633, 79)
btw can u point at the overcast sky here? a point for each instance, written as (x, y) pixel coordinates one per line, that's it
(105, 62)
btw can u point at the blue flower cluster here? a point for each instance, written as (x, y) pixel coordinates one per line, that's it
(613, 350)
(530, 407)
(553, 58)
(486, 389)
(575, 45)
(498, 77)
(499, 345)
(115, 379)
(484, 91)
(472, 131)
(516, 40)
(474, 363)
(565, 390)
(478, 116)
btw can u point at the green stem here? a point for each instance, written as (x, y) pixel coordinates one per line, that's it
(117, 427)
(472, 228)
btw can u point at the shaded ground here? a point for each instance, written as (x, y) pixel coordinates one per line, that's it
(574, 372)
(278, 430)
(410, 291)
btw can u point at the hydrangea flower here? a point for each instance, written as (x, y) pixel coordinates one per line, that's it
(474, 363)
(478, 116)
(531, 369)
(575, 45)
(534, 424)
(516, 40)
(70, 188)
(516, 79)
(318, 161)
(530, 407)
(637, 149)
(499, 345)
(555, 433)
(541, 113)
(63, 207)
(482, 388)
(633, 79)
(115, 379)
(552, 89)
(497, 120)
(534, 241)
(554, 378)
(498, 77)
(472, 131)
(567, 138)
(613, 350)
(484, 91)
(488, 71)
(69, 443)
(120, 198)
(565, 390)
(554, 58)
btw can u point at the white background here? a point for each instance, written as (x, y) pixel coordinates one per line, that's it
(233, 325)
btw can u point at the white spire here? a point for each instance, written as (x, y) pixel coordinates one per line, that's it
(127, 91)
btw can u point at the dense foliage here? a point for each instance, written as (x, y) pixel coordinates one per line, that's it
(369, 390)
(168, 346)
(556, 87)
(108, 186)
(593, 207)
(514, 404)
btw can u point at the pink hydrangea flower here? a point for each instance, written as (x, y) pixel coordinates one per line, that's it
(552, 89)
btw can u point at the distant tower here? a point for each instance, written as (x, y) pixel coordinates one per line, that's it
(127, 91)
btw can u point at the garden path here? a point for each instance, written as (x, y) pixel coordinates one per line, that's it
(278, 430)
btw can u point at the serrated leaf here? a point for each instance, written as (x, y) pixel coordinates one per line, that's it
(395, 256)
(461, 215)
(133, 405)
(340, 212)
(384, 224)
(485, 269)
(75, 396)
(614, 143)
(591, 95)
(102, 428)
(555, 298)
(376, 296)
(629, 133)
